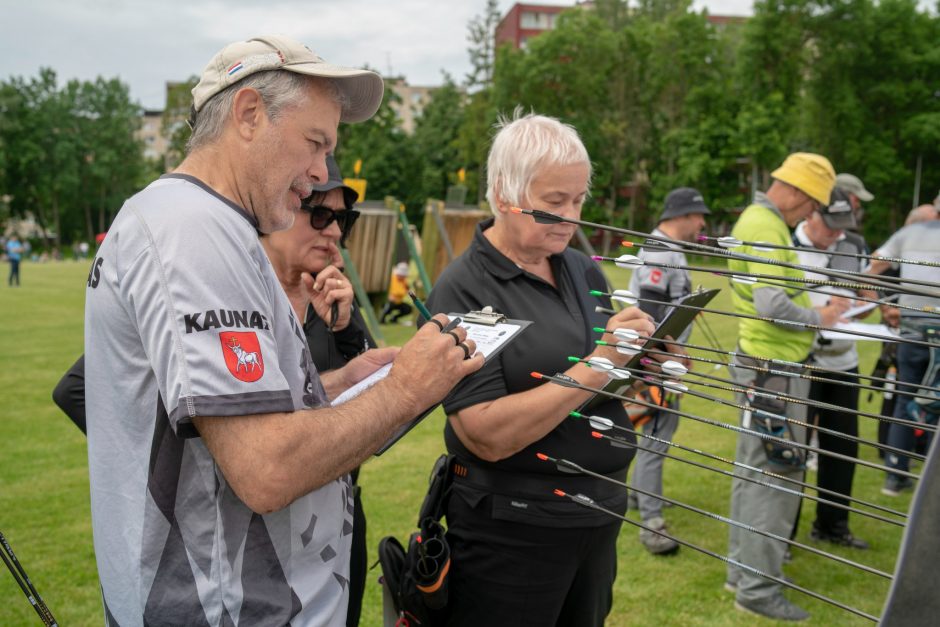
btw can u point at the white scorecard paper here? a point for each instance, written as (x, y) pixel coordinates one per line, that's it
(489, 340)
(883, 332)
(355, 390)
(859, 309)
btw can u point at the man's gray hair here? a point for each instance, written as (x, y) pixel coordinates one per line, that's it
(523, 145)
(279, 90)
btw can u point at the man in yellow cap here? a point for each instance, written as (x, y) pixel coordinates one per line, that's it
(801, 185)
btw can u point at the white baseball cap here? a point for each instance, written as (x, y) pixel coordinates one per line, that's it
(362, 88)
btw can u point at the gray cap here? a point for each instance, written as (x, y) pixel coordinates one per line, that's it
(361, 88)
(838, 213)
(851, 184)
(683, 201)
(335, 180)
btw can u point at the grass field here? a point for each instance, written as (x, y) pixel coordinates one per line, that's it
(44, 509)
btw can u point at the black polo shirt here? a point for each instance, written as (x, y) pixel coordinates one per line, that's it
(563, 319)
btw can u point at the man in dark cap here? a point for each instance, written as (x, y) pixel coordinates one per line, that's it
(682, 219)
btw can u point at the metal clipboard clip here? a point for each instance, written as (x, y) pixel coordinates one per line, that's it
(485, 316)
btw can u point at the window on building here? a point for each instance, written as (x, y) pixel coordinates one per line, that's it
(536, 20)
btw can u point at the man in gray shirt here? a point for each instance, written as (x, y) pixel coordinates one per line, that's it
(682, 219)
(220, 492)
(917, 242)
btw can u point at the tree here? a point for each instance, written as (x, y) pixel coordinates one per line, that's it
(435, 140)
(388, 158)
(69, 151)
(179, 100)
(479, 116)
(482, 37)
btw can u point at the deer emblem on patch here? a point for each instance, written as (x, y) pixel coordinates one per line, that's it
(242, 353)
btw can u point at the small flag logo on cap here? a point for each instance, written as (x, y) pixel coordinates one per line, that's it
(235, 68)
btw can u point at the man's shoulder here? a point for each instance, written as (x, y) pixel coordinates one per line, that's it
(760, 223)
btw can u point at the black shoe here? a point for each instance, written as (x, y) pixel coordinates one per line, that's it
(842, 539)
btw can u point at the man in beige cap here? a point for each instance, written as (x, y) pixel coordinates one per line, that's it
(801, 185)
(220, 491)
(853, 187)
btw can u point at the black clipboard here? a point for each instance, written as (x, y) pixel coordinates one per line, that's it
(474, 329)
(675, 322)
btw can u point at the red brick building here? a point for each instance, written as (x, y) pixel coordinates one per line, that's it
(524, 21)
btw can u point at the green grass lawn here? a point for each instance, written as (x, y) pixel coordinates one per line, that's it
(44, 509)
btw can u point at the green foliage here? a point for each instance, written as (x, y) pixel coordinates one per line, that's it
(70, 157)
(388, 156)
(179, 100)
(435, 141)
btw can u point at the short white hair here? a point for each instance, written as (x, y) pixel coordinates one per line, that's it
(523, 145)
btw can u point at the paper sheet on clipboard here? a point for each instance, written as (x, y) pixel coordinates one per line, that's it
(490, 340)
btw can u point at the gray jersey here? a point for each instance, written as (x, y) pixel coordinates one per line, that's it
(668, 284)
(917, 242)
(185, 317)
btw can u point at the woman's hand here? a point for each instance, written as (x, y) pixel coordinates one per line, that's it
(330, 286)
(677, 353)
(632, 318)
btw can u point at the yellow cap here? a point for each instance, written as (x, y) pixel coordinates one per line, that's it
(810, 173)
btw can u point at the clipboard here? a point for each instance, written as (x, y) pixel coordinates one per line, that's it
(675, 322)
(491, 331)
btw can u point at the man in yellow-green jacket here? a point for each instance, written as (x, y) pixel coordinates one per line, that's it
(800, 186)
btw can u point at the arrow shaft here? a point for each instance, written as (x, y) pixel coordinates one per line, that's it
(790, 323)
(790, 399)
(799, 375)
(729, 427)
(780, 362)
(724, 519)
(765, 473)
(728, 560)
(836, 253)
(702, 249)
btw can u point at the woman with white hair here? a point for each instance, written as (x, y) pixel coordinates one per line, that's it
(520, 554)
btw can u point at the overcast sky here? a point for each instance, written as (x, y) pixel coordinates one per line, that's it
(146, 43)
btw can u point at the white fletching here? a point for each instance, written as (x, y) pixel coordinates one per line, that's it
(746, 280)
(729, 242)
(600, 423)
(601, 364)
(628, 261)
(628, 349)
(618, 373)
(626, 334)
(675, 386)
(624, 296)
(674, 368)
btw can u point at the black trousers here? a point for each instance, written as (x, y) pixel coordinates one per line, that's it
(397, 310)
(835, 474)
(510, 574)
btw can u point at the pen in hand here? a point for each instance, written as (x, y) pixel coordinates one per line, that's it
(421, 308)
(453, 324)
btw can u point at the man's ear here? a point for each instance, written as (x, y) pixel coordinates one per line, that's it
(248, 112)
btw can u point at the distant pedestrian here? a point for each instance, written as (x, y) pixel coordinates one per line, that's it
(397, 290)
(14, 250)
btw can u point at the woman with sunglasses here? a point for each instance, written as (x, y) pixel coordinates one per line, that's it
(308, 253)
(307, 261)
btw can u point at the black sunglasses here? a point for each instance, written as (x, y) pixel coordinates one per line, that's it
(322, 217)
